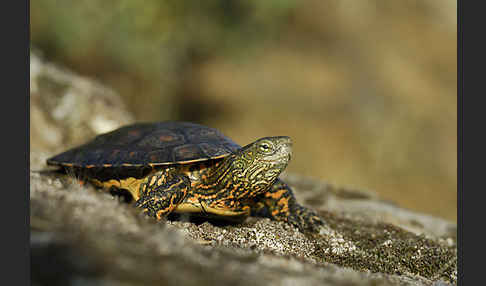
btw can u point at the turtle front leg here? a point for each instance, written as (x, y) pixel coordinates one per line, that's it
(279, 203)
(162, 192)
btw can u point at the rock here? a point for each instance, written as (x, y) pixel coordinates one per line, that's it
(365, 204)
(81, 235)
(67, 109)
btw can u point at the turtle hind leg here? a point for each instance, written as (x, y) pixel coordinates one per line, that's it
(279, 203)
(162, 192)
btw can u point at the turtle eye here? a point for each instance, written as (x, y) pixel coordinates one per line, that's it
(264, 147)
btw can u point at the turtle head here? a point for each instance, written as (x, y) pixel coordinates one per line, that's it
(259, 164)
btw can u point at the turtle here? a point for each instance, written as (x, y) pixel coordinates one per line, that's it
(187, 168)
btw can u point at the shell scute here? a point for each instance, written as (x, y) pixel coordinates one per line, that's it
(149, 144)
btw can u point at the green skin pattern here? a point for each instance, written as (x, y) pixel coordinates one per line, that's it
(242, 183)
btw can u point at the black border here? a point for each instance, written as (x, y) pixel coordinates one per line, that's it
(14, 210)
(471, 122)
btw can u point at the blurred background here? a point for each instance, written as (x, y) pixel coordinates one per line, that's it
(366, 89)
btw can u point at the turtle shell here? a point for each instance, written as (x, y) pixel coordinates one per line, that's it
(149, 144)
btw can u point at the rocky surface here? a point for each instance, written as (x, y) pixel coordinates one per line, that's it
(66, 109)
(84, 236)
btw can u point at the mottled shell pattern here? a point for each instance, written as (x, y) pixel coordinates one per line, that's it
(149, 144)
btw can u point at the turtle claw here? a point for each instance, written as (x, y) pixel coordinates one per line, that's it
(305, 219)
